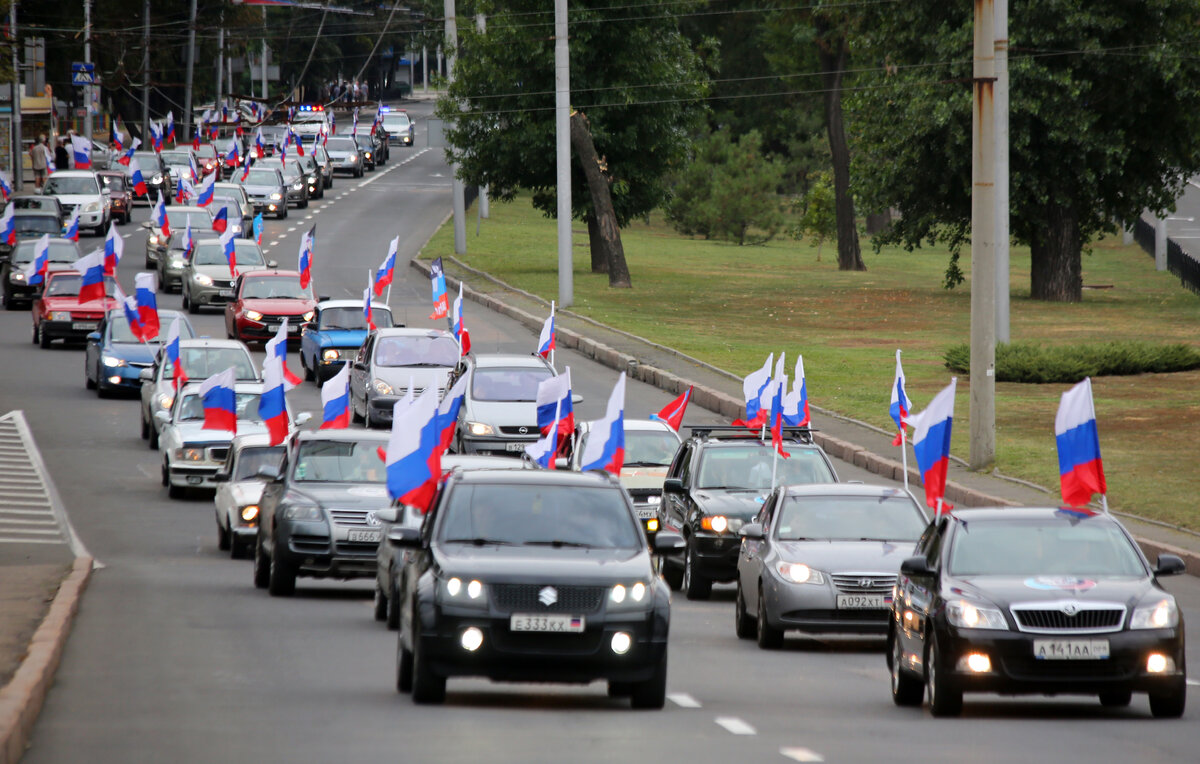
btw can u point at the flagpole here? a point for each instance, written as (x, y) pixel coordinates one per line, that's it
(1104, 502)
(554, 338)
(904, 455)
(774, 466)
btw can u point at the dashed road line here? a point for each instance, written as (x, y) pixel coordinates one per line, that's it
(801, 754)
(293, 228)
(683, 700)
(1194, 682)
(735, 726)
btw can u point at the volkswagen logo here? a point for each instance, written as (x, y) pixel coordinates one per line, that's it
(524, 430)
(1070, 609)
(548, 596)
(864, 582)
(372, 519)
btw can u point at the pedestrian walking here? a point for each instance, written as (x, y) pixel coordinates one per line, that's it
(62, 157)
(39, 158)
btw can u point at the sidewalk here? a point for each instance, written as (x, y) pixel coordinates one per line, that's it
(721, 392)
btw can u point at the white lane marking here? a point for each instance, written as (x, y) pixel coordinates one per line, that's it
(126, 235)
(735, 726)
(801, 754)
(4, 540)
(683, 700)
(309, 215)
(293, 228)
(315, 212)
(1194, 682)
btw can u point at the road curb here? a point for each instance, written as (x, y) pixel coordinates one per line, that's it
(21, 699)
(728, 406)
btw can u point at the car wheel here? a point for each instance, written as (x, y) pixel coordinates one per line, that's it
(188, 305)
(101, 390)
(393, 608)
(695, 586)
(769, 637)
(906, 688)
(283, 213)
(672, 574)
(945, 698)
(404, 668)
(282, 581)
(88, 382)
(652, 693)
(149, 262)
(620, 689)
(427, 686)
(381, 604)
(166, 474)
(222, 537)
(145, 426)
(36, 338)
(1116, 698)
(1170, 704)
(43, 338)
(354, 417)
(237, 548)
(262, 570)
(153, 442)
(743, 624)
(308, 373)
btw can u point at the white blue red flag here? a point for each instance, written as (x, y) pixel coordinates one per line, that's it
(900, 405)
(605, 447)
(35, 272)
(6, 187)
(145, 285)
(778, 384)
(673, 412)
(542, 450)
(546, 340)
(8, 227)
(383, 276)
(414, 460)
(127, 155)
(114, 143)
(354, 124)
(306, 257)
(231, 153)
(931, 444)
(130, 308)
(260, 148)
(91, 287)
(174, 358)
(189, 241)
(198, 136)
(461, 335)
(367, 307)
(754, 386)
(272, 403)
(335, 400)
(159, 218)
(193, 169)
(205, 195)
(247, 163)
(437, 280)
(1080, 468)
(220, 220)
(156, 136)
(219, 395)
(135, 174)
(447, 414)
(795, 403)
(230, 251)
(554, 394)
(73, 225)
(170, 126)
(81, 150)
(277, 348)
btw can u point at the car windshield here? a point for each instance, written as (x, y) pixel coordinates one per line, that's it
(438, 350)
(275, 287)
(532, 514)
(749, 467)
(191, 408)
(251, 459)
(245, 253)
(892, 517)
(515, 384)
(1041, 547)
(178, 218)
(341, 144)
(57, 185)
(364, 141)
(339, 461)
(206, 151)
(118, 327)
(36, 224)
(59, 252)
(648, 448)
(395, 123)
(67, 285)
(261, 177)
(147, 160)
(353, 318)
(203, 362)
(114, 182)
(177, 158)
(35, 203)
(232, 205)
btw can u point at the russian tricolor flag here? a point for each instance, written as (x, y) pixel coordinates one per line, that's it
(35, 272)
(461, 335)
(8, 227)
(260, 148)
(159, 218)
(447, 414)
(383, 277)
(546, 339)
(231, 153)
(753, 387)
(92, 285)
(437, 279)
(73, 225)
(174, 359)
(145, 285)
(335, 400)
(413, 457)
(230, 250)
(130, 308)
(205, 197)
(156, 136)
(367, 308)
(900, 405)
(81, 148)
(931, 444)
(673, 412)
(305, 266)
(171, 126)
(197, 137)
(221, 219)
(554, 394)
(605, 448)
(220, 401)
(542, 450)
(795, 403)
(6, 187)
(114, 143)
(1080, 468)
(277, 348)
(139, 182)
(272, 404)
(127, 156)
(189, 241)
(776, 417)
(247, 162)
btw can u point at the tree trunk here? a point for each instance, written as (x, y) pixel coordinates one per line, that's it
(597, 246)
(1056, 270)
(832, 54)
(602, 206)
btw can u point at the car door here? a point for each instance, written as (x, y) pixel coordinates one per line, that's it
(753, 553)
(91, 353)
(360, 375)
(673, 507)
(232, 308)
(310, 348)
(918, 591)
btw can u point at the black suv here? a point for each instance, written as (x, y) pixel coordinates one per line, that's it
(317, 512)
(533, 576)
(716, 484)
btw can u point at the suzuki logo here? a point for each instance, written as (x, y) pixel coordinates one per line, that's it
(548, 596)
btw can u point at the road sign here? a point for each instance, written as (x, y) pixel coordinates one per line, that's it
(83, 74)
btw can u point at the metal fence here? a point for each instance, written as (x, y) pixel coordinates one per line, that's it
(1180, 263)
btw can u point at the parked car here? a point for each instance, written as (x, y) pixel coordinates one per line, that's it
(205, 278)
(334, 335)
(262, 300)
(83, 190)
(58, 314)
(499, 409)
(119, 194)
(114, 359)
(61, 255)
(392, 360)
(239, 491)
(267, 192)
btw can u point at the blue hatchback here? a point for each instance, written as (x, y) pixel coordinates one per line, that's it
(335, 334)
(115, 358)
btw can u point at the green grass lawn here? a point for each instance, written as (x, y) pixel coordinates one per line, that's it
(731, 306)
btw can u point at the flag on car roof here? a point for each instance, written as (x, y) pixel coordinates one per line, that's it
(542, 450)
(127, 156)
(461, 335)
(448, 412)
(367, 306)
(335, 400)
(230, 251)
(605, 447)
(306, 257)
(776, 416)
(130, 309)
(1080, 468)
(552, 392)
(159, 218)
(247, 163)
(231, 153)
(207, 186)
(220, 401)
(6, 187)
(437, 279)
(170, 126)
(73, 225)
(272, 403)
(114, 143)
(900, 405)
(91, 266)
(220, 220)
(673, 412)
(189, 241)
(145, 285)
(174, 358)
(260, 148)
(931, 444)
(383, 277)
(156, 136)
(135, 174)
(35, 272)
(8, 227)
(81, 149)
(413, 457)
(795, 403)
(546, 339)
(277, 348)
(197, 137)
(753, 386)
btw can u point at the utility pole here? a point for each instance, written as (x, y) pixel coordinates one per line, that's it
(220, 61)
(460, 201)
(145, 68)
(87, 59)
(484, 211)
(983, 244)
(191, 62)
(562, 140)
(1002, 234)
(264, 57)
(425, 68)
(18, 150)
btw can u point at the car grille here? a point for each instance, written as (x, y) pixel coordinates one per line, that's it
(306, 544)
(68, 208)
(642, 495)
(523, 598)
(362, 548)
(1085, 619)
(864, 583)
(352, 517)
(222, 284)
(529, 429)
(217, 453)
(1031, 669)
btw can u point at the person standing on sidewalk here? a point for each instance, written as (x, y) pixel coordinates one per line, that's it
(38, 158)
(62, 158)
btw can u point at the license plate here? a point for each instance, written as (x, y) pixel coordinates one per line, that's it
(293, 328)
(1070, 649)
(368, 536)
(564, 624)
(83, 326)
(862, 601)
(645, 514)
(225, 293)
(514, 446)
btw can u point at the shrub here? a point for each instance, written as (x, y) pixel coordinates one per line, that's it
(1029, 362)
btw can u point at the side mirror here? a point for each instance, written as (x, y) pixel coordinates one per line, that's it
(389, 515)
(562, 463)
(672, 485)
(93, 337)
(162, 416)
(1170, 565)
(268, 473)
(666, 542)
(272, 264)
(303, 417)
(751, 531)
(404, 538)
(322, 297)
(146, 375)
(915, 566)
(148, 226)
(577, 398)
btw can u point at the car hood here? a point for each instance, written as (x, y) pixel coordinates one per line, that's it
(344, 495)
(78, 198)
(278, 306)
(740, 504)
(133, 352)
(340, 338)
(246, 491)
(218, 271)
(71, 303)
(642, 477)
(849, 556)
(502, 413)
(194, 432)
(422, 376)
(256, 189)
(542, 564)
(1005, 590)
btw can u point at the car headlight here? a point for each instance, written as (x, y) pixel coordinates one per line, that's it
(91, 207)
(158, 178)
(353, 159)
(298, 185)
(460, 592)
(799, 573)
(309, 316)
(721, 524)
(1160, 615)
(60, 315)
(249, 513)
(622, 596)
(303, 512)
(187, 454)
(654, 499)
(967, 615)
(153, 240)
(112, 360)
(17, 276)
(177, 263)
(202, 279)
(236, 228)
(254, 315)
(276, 196)
(165, 401)
(330, 354)
(381, 387)
(479, 428)
(312, 178)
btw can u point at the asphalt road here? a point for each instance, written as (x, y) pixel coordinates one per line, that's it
(176, 657)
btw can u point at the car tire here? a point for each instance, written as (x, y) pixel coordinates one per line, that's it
(308, 373)
(672, 574)
(149, 263)
(101, 390)
(35, 334)
(768, 637)
(427, 687)
(87, 382)
(237, 547)
(222, 537)
(695, 586)
(404, 668)
(620, 689)
(262, 570)
(153, 441)
(945, 697)
(1170, 704)
(393, 608)
(283, 213)
(743, 624)
(1116, 698)
(906, 686)
(282, 576)
(381, 604)
(354, 417)
(175, 491)
(43, 339)
(145, 426)
(652, 693)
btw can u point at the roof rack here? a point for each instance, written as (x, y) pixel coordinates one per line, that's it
(737, 432)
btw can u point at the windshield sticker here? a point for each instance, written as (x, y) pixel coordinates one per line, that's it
(1066, 583)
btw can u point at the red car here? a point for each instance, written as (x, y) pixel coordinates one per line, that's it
(119, 191)
(59, 315)
(209, 159)
(262, 299)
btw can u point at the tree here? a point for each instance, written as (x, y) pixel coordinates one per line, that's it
(633, 74)
(818, 217)
(1105, 107)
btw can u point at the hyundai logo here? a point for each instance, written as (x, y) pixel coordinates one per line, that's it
(864, 582)
(548, 596)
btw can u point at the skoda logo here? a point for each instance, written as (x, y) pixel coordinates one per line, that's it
(1070, 609)
(864, 582)
(523, 430)
(372, 519)
(548, 596)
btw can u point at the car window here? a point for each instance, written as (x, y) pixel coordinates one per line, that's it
(191, 408)
(119, 331)
(1043, 547)
(261, 178)
(649, 448)
(203, 362)
(514, 384)
(532, 514)
(114, 182)
(199, 218)
(848, 518)
(749, 467)
(58, 252)
(36, 224)
(206, 151)
(339, 462)
(682, 466)
(764, 514)
(253, 458)
(245, 253)
(57, 185)
(438, 350)
(353, 318)
(175, 157)
(274, 287)
(341, 144)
